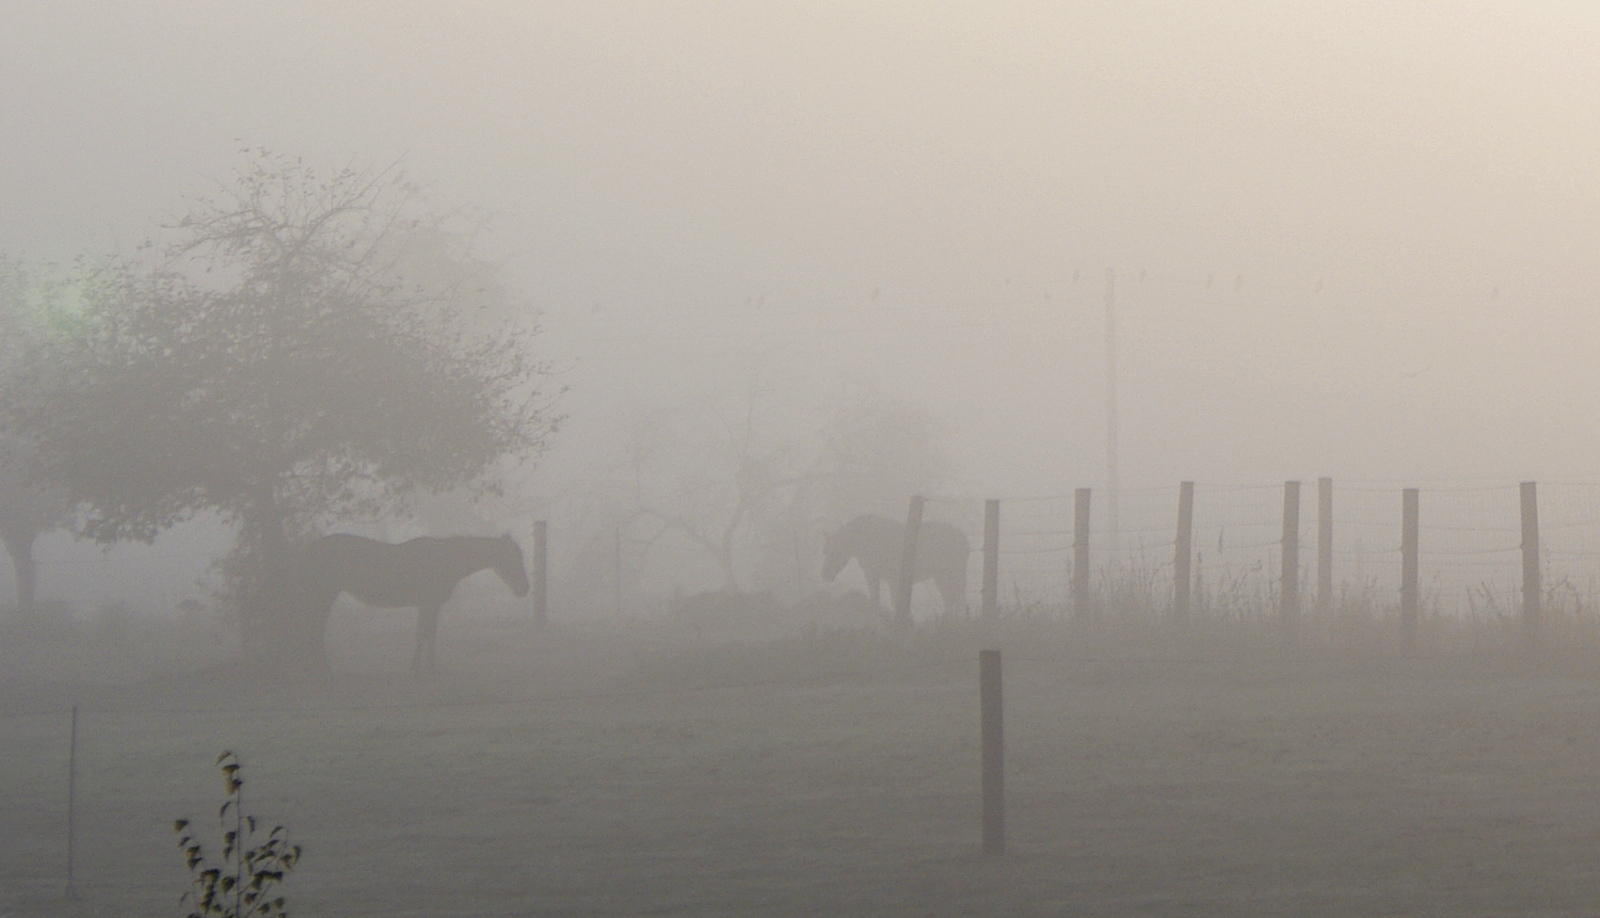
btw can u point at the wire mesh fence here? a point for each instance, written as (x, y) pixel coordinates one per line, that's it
(1469, 548)
(1469, 556)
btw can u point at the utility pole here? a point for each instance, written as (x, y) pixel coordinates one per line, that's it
(1111, 406)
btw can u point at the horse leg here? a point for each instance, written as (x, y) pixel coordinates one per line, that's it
(875, 580)
(433, 640)
(949, 597)
(953, 593)
(894, 594)
(427, 630)
(306, 630)
(319, 638)
(422, 638)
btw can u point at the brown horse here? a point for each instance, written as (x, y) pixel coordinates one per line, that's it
(877, 544)
(419, 574)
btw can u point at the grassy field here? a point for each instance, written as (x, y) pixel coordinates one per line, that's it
(643, 771)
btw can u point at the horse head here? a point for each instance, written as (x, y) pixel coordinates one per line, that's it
(508, 564)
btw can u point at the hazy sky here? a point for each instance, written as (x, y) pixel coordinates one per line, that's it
(1367, 232)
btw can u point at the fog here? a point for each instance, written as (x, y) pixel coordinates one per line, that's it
(1354, 240)
(678, 185)
(1349, 240)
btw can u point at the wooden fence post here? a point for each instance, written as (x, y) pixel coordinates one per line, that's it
(616, 568)
(991, 559)
(541, 572)
(1410, 531)
(72, 802)
(1289, 589)
(993, 737)
(1183, 553)
(1080, 553)
(1532, 592)
(1324, 547)
(908, 561)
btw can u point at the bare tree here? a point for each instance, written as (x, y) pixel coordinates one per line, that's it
(719, 475)
(752, 479)
(875, 454)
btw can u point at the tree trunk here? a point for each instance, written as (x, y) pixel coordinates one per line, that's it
(289, 635)
(20, 547)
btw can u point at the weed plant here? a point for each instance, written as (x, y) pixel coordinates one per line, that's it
(242, 885)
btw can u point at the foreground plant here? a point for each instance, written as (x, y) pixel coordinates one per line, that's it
(241, 886)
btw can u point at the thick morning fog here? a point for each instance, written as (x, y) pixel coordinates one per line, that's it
(569, 458)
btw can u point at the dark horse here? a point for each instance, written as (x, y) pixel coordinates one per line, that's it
(877, 545)
(419, 574)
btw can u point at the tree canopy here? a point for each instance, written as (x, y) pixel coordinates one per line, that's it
(304, 348)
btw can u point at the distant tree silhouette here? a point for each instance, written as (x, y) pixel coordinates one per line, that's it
(875, 454)
(718, 475)
(748, 477)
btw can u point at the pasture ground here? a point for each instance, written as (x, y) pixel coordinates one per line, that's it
(644, 771)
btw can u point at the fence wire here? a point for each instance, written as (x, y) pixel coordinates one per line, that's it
(1469, 548)
(1469, 542)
